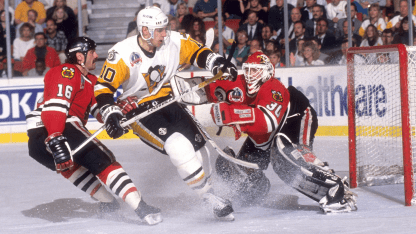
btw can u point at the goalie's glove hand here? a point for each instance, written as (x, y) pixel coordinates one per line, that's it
(113, 117)
(231, 69)
(58, 146)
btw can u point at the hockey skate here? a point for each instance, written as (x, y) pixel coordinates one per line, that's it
(222, 208)
(108, 207)
(347, 204)
(149, 214)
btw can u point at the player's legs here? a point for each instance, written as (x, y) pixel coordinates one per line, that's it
(250, 185)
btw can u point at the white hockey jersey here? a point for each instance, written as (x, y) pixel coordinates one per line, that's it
(147, 75)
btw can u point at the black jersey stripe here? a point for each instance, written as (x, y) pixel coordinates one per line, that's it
(107, 85)
(55, 105)
(266, 113)
(122, 186)
(88, 184)
(81, 178)
(117, 179)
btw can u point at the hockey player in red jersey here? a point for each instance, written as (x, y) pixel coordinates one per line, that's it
(281, 126)
(58, 125)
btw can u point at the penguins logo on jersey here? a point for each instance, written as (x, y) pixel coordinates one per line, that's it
(68, 72)
(135, 59)
(236, 95)
(277, 96)
(111, 55)
(154, 76)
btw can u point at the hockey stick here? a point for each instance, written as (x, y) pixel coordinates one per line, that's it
(165, 103)
(218, 149)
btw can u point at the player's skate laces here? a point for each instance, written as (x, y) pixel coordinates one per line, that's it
(222, 208)
(148, 213)
(347, 204)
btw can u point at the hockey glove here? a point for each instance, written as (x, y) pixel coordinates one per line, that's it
(113, 117)
(218, 62)
(228, 114)
(58, 146)
(128, 104)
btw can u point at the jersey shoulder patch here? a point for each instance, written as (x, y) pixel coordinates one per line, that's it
(68, 72)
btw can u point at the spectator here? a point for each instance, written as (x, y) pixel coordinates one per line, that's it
(233, 9)
(362, 5)
(213, 34)
(394, 23)
(387, 36)
(3, 46)
(32, 15)
(311, 55)
(327, 39)
(252, 27)
(132, 26)
(317, 42)
(299, 31)
(355, 36)
(274, 56)
(270, 46)
(23, 7)
(64, 23)
(336, 10)
(184, 17)
(205, 9)
(242, 48)
(255, 5)
(40, 68)
(297, 58)
(402, 37)
(73, 4)
(311, 25)
(197, 29)
(266, 35)
(276, 16)
(169, 7)
(306, 11)
(23, 43)
(42, 51)
(254, 47)
(371, 37)
(339, 32)
(339, 57)
(375, 19)
(174, 23)
(3, 69)
(61, 3)
(56, 39)
(295, 16)
(11, 10)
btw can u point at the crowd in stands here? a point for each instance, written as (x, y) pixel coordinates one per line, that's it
(318, 29)
(39, 33)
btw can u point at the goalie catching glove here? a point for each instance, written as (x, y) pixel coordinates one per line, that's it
(58, 146)
(216, 62)
(112, 118)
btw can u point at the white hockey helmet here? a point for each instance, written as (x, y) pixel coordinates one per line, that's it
(152, 17)
(257, 70)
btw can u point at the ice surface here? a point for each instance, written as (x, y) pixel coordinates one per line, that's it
(35, 200)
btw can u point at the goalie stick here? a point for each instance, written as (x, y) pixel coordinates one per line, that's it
(165, 103)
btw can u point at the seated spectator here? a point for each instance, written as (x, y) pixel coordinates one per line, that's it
(402, 37)
(73, 4)
(169, 7)
(276, 16)
(40, 51)
(294, 17)
(296, 58)
(20, 13)
(327, 39)
(233, 9)
(317, 42)
(212, 34)
(375, 19)
(3, 40)
(174, 23)
(40, 68)
(270, 46)
(197, 31)
(306, 11)
(61, 3)
(253, 27)
(355, 36)
(255, 5)
(266, 35)
(274, 56)
(205, 9)
(56, 39)
(310, 55)
(394, 23)
(339, 32)
(64, 23)
(387, 36)
(335, 10)
(11, 10)
(254, 46)
(311, 25)
(242, 48)
(363, 5)
(371, 37)
(339, 57)
(32, 16)
(3, 69)
(184, 17)
(23, 43)
(299, 31)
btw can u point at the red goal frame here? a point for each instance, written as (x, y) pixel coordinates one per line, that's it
(405, 112)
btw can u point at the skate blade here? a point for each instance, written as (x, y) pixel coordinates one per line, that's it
(228, 218)
(338, 211)
(153, 219)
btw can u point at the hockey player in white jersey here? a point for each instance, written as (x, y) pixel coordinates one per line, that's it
(143, 66)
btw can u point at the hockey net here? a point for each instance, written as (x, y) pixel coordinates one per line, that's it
(382, 116)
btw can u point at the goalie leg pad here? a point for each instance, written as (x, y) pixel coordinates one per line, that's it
(188, 163)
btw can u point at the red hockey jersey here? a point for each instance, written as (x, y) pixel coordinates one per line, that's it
(68, 96)
(270, 106)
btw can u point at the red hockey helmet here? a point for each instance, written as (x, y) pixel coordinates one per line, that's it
(257, 70)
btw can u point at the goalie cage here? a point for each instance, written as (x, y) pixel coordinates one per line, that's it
(382, 116)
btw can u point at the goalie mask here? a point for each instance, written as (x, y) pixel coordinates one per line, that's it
(154, 19)
(257, 70)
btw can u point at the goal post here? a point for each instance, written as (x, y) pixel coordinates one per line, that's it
(382, 116)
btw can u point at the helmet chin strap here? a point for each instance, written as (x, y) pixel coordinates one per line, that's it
(147, 40)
